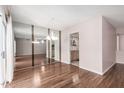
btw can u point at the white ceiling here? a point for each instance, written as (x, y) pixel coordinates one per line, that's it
(62, 16)
(24, 31)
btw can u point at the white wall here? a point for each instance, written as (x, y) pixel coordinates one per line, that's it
(10, 50)
(120, 51)
(40, 48)
(90, 44)
(108, 45)
(2, 47)
(7, 65)
(22, 30)
(97, 44)
(24, 47)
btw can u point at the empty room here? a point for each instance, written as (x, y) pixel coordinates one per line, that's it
(62, 46)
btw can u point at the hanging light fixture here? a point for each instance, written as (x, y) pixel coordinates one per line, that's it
(48, 37)
(42, 41)
(35, 42)
(53, 37)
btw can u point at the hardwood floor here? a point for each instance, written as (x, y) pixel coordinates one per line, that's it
(67, 76)
(75, 63)
(26, 61)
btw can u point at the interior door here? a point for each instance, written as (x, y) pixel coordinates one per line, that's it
(2, 52)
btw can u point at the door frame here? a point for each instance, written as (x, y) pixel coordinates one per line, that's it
(70, 46)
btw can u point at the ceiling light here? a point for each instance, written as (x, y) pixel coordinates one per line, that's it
(42, 41)
(35, 42)
(54, 38)
(48, 37)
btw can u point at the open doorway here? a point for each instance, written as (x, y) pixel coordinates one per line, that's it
(74, 49)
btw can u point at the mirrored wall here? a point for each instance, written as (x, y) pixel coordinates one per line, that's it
(23, 45)
(35, 45)
(40, 43)
(54, 46)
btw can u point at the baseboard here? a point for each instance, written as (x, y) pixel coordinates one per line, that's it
(100, 73)
(27, 55)
(108, 68)
(90, 70)
(65, 62)
(120, 62)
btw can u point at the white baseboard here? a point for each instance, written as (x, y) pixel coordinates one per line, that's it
(65, 62)
(120, 62)
(100, 73)
(108, 68)
(94, 71)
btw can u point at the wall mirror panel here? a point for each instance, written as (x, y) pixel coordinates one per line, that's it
(35, 45)
(55, 46)
(23, 45)
(40, 44)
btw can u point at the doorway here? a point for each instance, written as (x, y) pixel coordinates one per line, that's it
(74, 49)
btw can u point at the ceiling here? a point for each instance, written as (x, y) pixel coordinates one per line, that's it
(23, 31)
(60, 17)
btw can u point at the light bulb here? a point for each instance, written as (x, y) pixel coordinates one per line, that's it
(42, 41)
(54, 38)
(35, 42)
(48, 37)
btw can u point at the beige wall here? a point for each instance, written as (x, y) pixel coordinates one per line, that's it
(108, 45)
(24, 47)
(97, 44)
(120, 51)
(90, 44)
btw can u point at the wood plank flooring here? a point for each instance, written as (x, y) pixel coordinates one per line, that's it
(23, 62)
(26, 61)
(60, 75)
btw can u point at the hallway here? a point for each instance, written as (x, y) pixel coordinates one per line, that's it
(64, 75)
